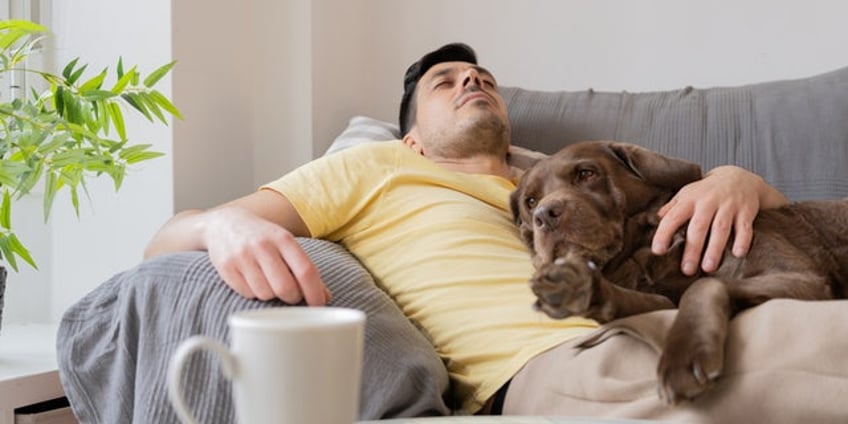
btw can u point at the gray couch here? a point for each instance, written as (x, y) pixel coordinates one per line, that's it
(115, 343)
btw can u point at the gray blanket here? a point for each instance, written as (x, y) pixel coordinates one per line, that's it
(114, 344)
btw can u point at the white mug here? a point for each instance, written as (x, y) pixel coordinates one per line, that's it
(296, 364)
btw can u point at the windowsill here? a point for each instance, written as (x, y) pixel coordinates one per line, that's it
(28, 372)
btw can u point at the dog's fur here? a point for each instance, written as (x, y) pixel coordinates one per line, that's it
(589, 213)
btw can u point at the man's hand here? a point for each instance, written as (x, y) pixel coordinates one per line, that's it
(260, 259)
(727, 198)
(251, 242)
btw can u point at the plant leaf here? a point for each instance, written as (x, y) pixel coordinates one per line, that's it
(123, 80)
(104, 165)
(142, 156)
(75, 200)
(77, 130)
(31, 179)
(118, 120)
(94, 83)
(73, 110)
(71, 175)
(120, 67)
(101, 109)
(7, 252)
(20, 250)
(68, 157)
(9, 38)
(117, 173)
(50, 147)
(97, 95)
(78, 73)
(50, 189)
(24, 50)
(166, 104)
(7, 179)
(69, 68)
(22, 25)
(138, 153)
(152, 106)
(10, 171)
(6, 211)
(133, 101)
(156, 75)
(59, 99)
(135, 148)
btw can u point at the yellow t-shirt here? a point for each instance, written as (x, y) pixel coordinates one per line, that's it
(444, 246)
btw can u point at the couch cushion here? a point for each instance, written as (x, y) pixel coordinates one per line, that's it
(363, 129)
(114, 344)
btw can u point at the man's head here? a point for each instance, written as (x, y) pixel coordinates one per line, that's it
(454, 52)
(452, 106)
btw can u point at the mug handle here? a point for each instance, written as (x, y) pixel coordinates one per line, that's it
(175, 371)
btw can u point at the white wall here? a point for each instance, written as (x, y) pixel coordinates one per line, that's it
(616, 45)
(214, 45)
(265, 84)
(244, 84)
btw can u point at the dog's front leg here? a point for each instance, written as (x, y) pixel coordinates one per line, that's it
(693, 356)
(573, 285)
(566, 287)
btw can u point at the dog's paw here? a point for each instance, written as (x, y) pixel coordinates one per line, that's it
(565, 287)
(688, 367)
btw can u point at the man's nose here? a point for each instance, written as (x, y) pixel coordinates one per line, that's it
(472, 77)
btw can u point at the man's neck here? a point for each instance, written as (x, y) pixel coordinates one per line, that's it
(483, 164)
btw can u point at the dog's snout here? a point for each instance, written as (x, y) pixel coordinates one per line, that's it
(547, 216)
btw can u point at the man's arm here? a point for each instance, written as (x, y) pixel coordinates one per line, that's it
(251, 242)
(728, 197)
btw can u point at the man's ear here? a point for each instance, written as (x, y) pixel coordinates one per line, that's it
(411, 140)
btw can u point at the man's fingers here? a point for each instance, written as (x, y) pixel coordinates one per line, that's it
(307, 277)
(718, 236)
(328, 295)
(673, 217)
(255, 277)
(280, 279)
(667, 207)
(744, 228)
(696, 235)
(236, 281)
(291, 273)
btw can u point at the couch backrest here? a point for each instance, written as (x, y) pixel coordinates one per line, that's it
(794, 133)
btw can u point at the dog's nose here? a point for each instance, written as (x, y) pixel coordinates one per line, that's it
(546, 216)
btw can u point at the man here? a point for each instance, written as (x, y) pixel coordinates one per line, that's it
(428, 215)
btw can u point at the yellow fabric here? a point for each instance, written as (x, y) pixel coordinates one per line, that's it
(444, 246)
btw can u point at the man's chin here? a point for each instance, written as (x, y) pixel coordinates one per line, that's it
(485, 120)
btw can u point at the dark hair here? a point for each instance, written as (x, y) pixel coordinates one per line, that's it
(454, 52)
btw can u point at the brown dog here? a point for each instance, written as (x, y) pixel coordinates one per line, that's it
(589, 213)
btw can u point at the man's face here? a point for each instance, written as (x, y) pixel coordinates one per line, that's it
(459, 112)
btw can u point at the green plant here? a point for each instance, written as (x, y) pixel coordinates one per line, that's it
(71, 130)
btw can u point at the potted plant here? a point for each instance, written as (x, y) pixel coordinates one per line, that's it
(71, 130)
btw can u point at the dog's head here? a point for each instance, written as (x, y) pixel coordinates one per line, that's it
(579, 199)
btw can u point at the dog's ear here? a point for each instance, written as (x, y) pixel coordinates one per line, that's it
(525, 230)
(654, 168)
(513, 205)
(523, 158)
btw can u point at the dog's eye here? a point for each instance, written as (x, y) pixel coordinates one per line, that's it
(530, 202)
(585, 174)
